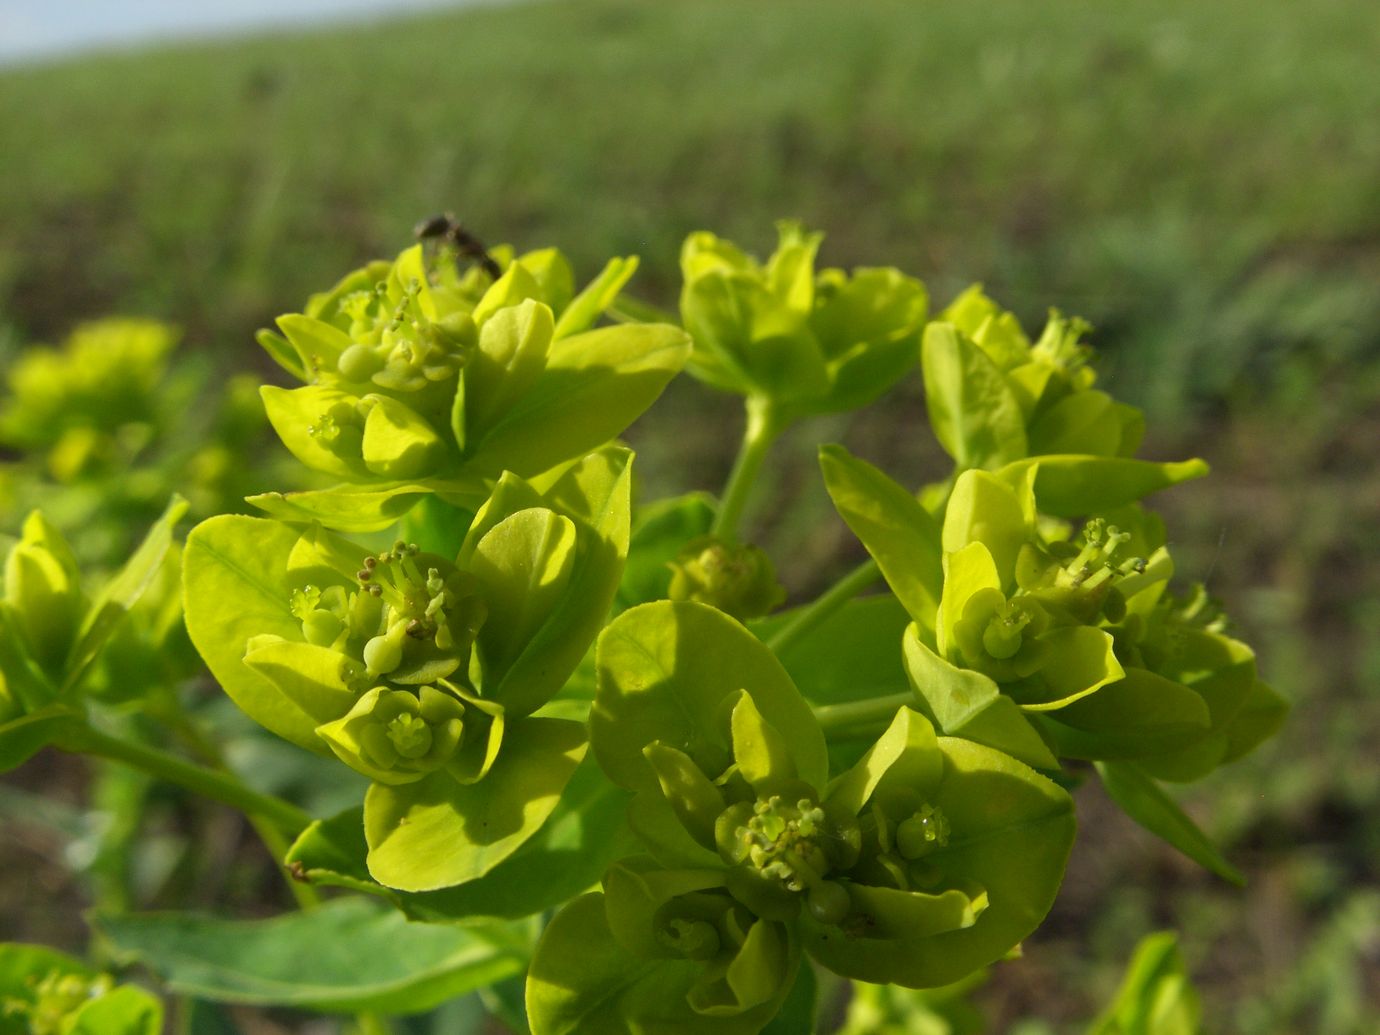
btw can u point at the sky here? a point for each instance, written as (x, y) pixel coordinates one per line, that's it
(36, 29)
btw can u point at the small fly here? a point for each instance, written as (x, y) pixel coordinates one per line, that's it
(446, 229)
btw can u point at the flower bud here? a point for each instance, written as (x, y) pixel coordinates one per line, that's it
(738, 580)
(397, 736)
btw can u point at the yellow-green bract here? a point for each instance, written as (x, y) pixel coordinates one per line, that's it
(421, 671)
(927, 859)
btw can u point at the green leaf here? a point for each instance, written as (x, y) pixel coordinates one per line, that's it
(566, 857)
(21, 738)
(281, 352)
(510, 494)
(1144, 801)
(1155, 997)
(346, 956)
(670, 672)
(761, 753)
(437, 833)
(1082, 422)
(597, 296)
(696, 802)
(332, 852)
(797, 1013)
(907, 915)
(985, 509)
(512, 353)
(595, 384)
(964, 703)
(582, 982)
(398, 442)
(24, 686)
(1260, 717)
(234, 575)
(348, 508)
(1139, 715)
(296, 413)
(597, 494)
(121, 593)
(318, 344)
(591, 489)
(868, 326)
(1081, 660)
(524, 564)
(966, 572)
(898, 532)
(851, 656)
(748, 341)
(122, 1011)
(974, 415)
(909, 742)
(517, 284)
(1076, 486)
(1011, 831)
(1222, 671)
(43, 602)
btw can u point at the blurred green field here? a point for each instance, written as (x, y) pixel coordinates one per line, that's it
(1202, 181)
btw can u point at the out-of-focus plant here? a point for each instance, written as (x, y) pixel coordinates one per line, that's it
(101, 431)
(561, 732)
(44, 992)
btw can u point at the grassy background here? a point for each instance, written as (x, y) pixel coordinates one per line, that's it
(1199, 180)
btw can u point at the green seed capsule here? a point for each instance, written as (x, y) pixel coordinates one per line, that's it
(925, 831)
(828, 902)
(382, 655)
(321, 628)
(359, 363)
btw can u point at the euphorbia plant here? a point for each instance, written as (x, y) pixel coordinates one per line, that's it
(546, 693)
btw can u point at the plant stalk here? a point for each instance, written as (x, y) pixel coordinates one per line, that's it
(810, 616)
(856, 714)
(306, 896)
(759, 434)
(219, 786)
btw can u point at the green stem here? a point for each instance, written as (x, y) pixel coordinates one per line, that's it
(219, 786)
(857, 580)
(810, 616)
(373, 1024)
(759, 434)
(306, 896)
(851, 716)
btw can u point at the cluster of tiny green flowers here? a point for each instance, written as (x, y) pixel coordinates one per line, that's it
(412, 620)
(398, 350)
